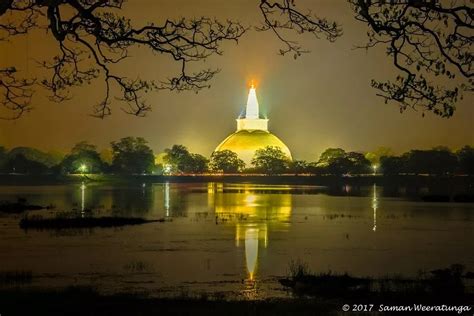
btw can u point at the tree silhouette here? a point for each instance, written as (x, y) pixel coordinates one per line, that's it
(226, 161)
(280, 16)
(270, 160)
(83, 158)
(132, 155)
(92, 36)
(424, 39)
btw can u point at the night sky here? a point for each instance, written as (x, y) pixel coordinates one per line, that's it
(322, 99)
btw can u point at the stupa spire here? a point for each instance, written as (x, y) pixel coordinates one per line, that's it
(252, 109)
(252, 120)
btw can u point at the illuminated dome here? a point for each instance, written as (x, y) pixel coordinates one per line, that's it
(252, 133)
(245, 142)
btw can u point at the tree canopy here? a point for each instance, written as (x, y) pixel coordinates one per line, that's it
(226, 161)
(180, 160)
(270, 160)
(83, 158)
(132, 155)
(338, 162)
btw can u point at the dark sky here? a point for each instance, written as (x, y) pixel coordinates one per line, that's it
(322, 99)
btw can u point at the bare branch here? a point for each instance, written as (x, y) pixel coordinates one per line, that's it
(16, 94)
(281, 16)
(425, 39)
(95, 36)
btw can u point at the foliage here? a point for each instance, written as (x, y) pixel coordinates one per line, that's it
(374, 156)
(180, 160)
(83, 158)
(329, 155)
(298, 166)
(358, 163)
(391, 165)
(20, 164)
(198, 164)
(132, 155)
(177, 158)
(106, 155)
(337, 162)
(226, 161)
(437, 161)
(34, 154)
(466, 160)
(3, 158)
(271, 160)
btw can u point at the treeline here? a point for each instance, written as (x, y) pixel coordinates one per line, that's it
(437, 161)
(132, 155)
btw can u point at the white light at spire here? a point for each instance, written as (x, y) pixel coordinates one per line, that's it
(252, 105)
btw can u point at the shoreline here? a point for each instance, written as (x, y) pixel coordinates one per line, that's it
(7, 179)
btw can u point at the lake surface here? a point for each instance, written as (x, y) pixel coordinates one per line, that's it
(232, 240)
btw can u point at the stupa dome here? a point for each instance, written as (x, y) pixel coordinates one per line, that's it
(252, 133)
(245, 142)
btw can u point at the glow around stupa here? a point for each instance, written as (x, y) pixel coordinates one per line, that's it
(252, 133)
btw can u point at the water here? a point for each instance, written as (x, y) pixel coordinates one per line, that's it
(231, 239)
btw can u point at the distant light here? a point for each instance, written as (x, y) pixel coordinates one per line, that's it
(83, 168)
(167, 169)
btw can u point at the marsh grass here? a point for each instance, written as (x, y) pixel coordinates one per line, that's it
(88, 301)
(20, 206)
(15, 277)
(66, 222)
(138, 266)
(446, 284)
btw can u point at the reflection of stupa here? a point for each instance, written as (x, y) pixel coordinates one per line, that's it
(252, 133)
(254, 215)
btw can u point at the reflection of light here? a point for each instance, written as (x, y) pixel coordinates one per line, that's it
(83, 197)
(374, 207)
(265, 207)
(167, 198)
(253, 213)
(210, 188)
(250, 199)
(251, 250)
(347, 188)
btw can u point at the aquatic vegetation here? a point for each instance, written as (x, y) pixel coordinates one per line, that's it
(19, 206)
(84, 300)
(15, 277)
(40, 222)
(138, 266)
(448, 284)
